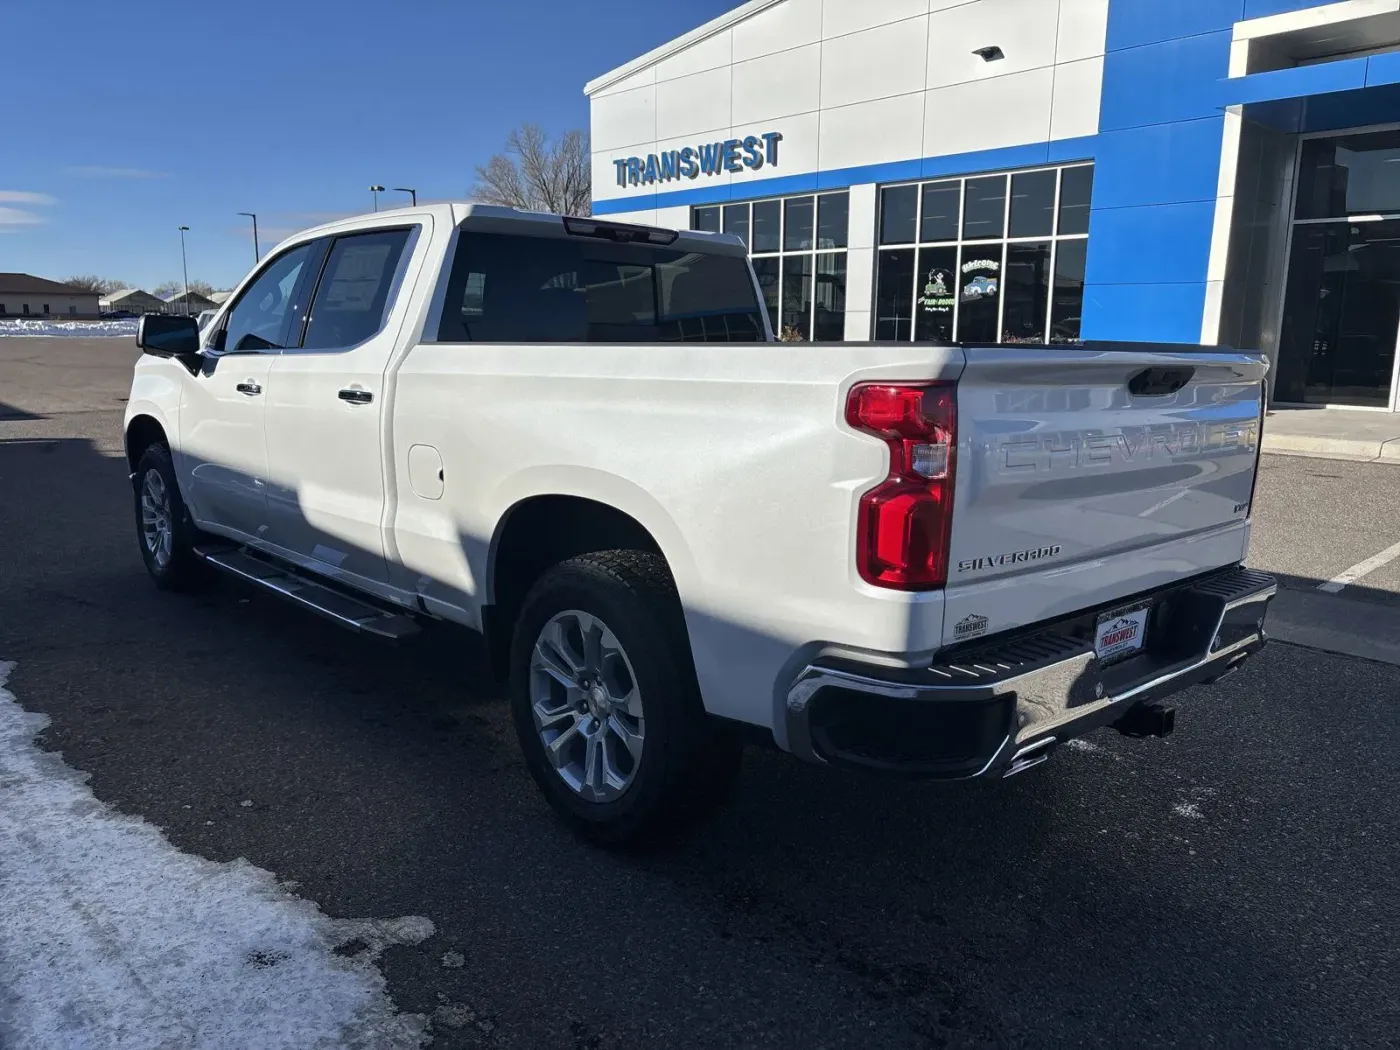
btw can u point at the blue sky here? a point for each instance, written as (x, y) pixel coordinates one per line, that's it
(136, 118)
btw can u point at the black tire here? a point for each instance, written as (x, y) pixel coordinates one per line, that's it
(689, 761)
(179, 569)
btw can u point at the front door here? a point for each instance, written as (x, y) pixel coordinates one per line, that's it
(222, 416)
(222, 445)
(325, 422)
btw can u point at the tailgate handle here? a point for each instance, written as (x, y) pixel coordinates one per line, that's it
(1155, 382)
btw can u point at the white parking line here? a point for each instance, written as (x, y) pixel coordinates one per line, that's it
(112, 939)
(1360, 569)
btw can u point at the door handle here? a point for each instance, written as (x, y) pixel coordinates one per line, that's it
(249, 387)
(1158, 382)
(356, 395)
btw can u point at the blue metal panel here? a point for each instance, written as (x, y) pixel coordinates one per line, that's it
(1345, 74)
(1159, 83)
(1285, 115)
(1159, 244)
(1351, 109)
(895, 171)
(987, 160)
(1160, 164)
(1383, 69)
(1168, 313)
(1133, 23)
(1262, 8)
(1062, 151)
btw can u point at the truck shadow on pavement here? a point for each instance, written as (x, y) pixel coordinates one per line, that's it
(1129, 893)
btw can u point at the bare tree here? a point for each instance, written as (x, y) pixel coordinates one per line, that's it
(537, 175)
(168, 288)
(93, 283)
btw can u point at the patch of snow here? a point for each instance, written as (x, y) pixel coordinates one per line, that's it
(1088, 747)
(71, 329)
(112, 939)
(453, 960)
(1189, 810)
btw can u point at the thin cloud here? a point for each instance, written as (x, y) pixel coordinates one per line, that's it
(102, 171)
(24, 197)
(12, 219)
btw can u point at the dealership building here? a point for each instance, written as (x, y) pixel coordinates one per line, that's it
(1038, 171)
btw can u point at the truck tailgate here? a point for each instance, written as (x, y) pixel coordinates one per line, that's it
(1088, 474)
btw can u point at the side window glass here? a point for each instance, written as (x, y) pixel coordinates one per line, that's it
(258, 321)
(352, 300)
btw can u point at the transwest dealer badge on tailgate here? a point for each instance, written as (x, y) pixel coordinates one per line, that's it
(1120, 633)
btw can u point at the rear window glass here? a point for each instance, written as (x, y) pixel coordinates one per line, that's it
(508, 288)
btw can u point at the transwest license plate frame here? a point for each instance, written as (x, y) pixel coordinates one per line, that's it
(1120, 633)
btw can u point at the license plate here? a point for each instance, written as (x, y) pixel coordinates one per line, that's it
(1121, 632)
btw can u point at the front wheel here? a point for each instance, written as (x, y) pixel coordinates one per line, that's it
(163, 526)
(605, 701)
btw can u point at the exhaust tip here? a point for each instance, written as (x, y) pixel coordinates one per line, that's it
(1147, 720)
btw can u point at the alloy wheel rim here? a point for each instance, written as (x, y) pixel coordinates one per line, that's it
(587, 706)
(156, 529)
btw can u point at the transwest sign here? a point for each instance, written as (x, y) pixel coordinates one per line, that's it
(709, 158)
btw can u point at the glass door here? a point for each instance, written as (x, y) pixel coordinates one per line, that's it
(1341, 314)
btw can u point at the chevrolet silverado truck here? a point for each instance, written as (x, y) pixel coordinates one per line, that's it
(678, 535)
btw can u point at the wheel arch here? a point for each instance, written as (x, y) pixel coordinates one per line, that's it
(142, 431)
(546, 527)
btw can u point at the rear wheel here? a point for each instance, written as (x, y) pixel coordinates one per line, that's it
(163, 526)
(605, 701)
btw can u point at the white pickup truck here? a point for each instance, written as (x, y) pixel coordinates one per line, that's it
(678, 535)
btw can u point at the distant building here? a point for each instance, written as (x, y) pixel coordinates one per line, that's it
(220, 298)
(23, 295)
(191, 303)
(133, 300)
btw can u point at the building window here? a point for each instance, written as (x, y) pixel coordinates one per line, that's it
(26, 309)
(987, 258)
(798, 247)
(46, 309)
(72, 309)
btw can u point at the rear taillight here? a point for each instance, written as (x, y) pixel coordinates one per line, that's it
(904, 522)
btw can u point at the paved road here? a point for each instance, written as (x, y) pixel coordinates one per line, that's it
(1232, 886)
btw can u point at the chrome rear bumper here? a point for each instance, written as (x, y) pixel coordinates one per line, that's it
(1002, 706)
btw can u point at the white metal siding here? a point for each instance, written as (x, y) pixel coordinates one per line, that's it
(855, 82)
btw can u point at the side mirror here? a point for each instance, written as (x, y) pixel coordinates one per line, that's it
(167, 335)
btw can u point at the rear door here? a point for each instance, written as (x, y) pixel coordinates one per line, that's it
(325, 415)
(1088, 473)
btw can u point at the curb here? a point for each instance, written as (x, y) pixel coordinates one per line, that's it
(1371, 451)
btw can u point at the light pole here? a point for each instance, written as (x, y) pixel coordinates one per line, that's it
(184, 267)
(411, 192)
(257, 255)
(376, 190)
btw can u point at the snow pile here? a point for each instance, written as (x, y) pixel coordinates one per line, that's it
(112, 939)
(33, 326)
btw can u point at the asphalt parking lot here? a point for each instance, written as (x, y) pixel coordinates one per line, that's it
(1232, 886)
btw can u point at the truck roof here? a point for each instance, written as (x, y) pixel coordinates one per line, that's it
(494, 218)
